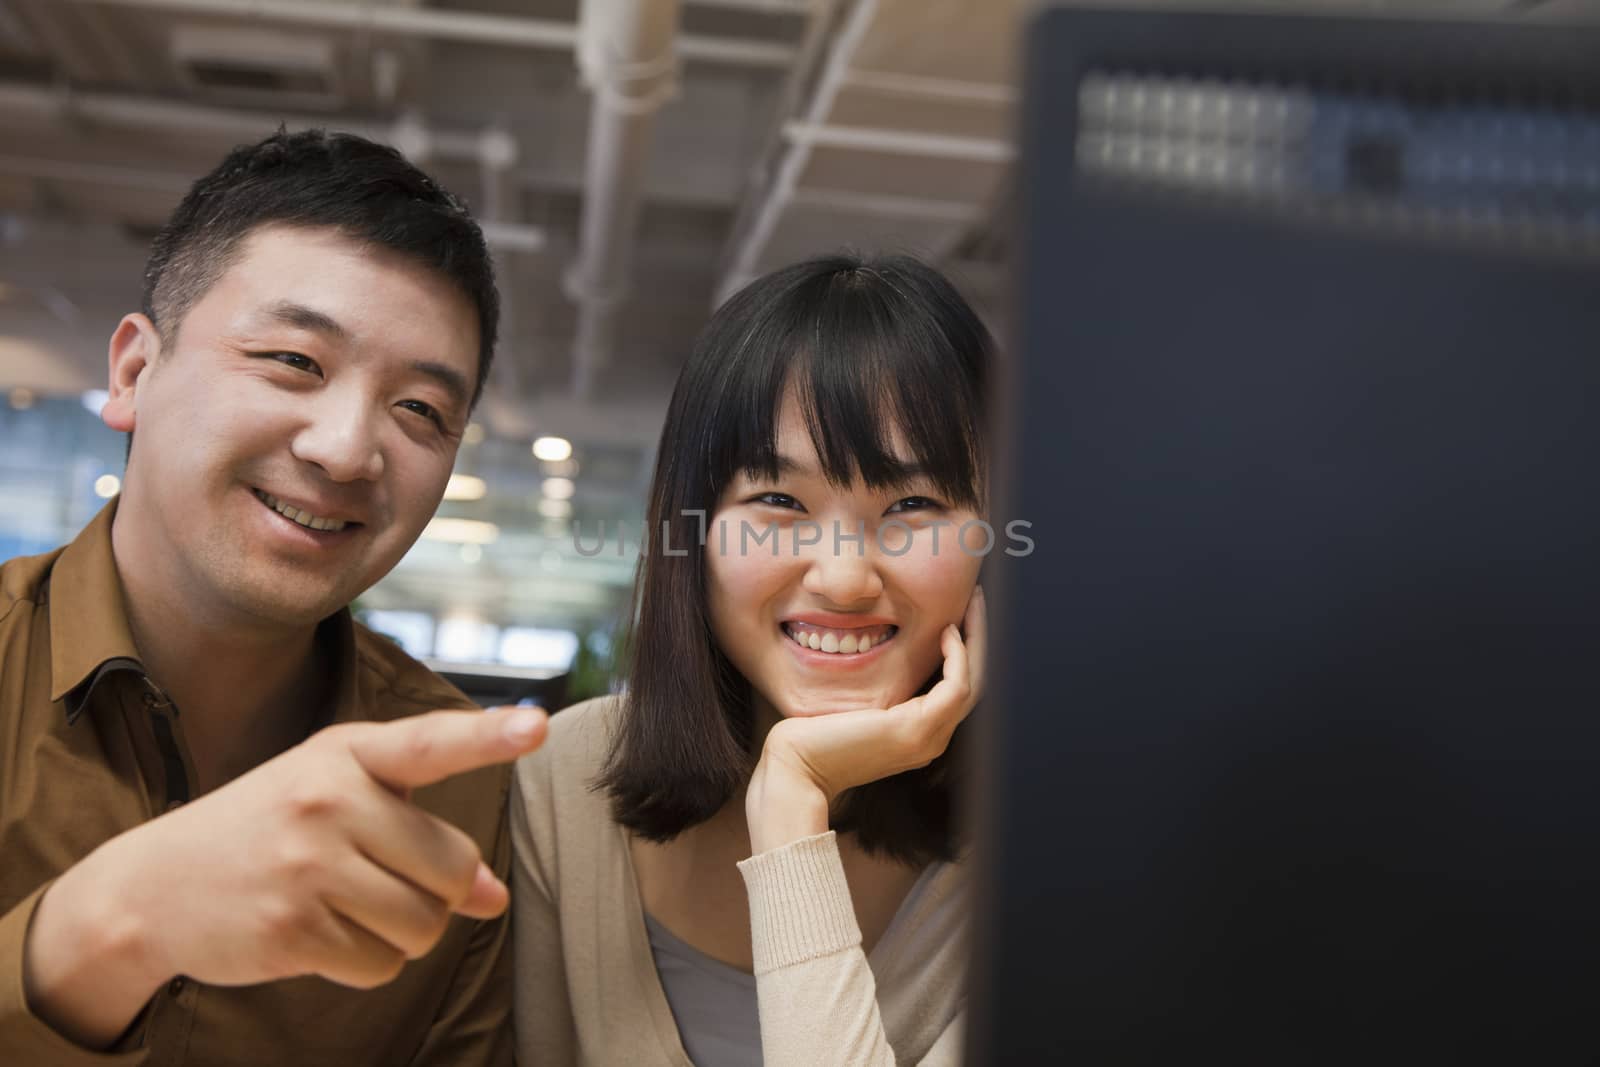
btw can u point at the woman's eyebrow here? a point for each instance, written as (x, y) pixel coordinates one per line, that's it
(790, 465)
(906, 475)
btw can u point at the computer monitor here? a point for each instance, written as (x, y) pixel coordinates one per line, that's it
(1294, 730)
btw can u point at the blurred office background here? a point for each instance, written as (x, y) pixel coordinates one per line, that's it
(633, 162)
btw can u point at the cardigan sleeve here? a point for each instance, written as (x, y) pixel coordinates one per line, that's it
(546, 1034)
(816, 994)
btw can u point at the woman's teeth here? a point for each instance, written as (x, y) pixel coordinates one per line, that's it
(838, 642)
(303, 518)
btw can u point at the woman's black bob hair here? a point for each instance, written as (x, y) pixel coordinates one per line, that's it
(868, 345)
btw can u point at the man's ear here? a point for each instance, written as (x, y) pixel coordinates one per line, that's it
(133, 350)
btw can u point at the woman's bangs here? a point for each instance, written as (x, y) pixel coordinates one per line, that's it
(865, 368)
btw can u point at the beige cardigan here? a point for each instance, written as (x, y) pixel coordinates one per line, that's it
(586, 990)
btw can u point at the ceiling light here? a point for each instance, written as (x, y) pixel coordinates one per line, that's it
(558, 488)
(461, 531)
(555, 509)
(107, 486)
(465, 487)
(553, 449)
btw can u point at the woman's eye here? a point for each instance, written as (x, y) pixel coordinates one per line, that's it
(914, 503)
(297, 361)
(778, 500)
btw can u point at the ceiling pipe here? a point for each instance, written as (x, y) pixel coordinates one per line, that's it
(511, 31)
(759, 217)
(628, 59)
(491, 148)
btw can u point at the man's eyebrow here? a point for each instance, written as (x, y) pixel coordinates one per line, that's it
(310, 319)
(301, 317)
(453, 381)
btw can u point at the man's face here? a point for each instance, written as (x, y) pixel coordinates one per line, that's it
(296, 436)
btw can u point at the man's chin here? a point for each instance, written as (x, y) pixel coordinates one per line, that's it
(291, 609)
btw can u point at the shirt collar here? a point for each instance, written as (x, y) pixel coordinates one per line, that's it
(88, 616)
(90, 637)
(337, 635)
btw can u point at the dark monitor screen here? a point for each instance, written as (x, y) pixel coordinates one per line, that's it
(1295, 720)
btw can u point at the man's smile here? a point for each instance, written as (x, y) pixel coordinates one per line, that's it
(303, 518)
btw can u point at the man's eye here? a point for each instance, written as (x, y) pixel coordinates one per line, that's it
(778, 500)
(914, 503)
(297, 361)
(426, 410)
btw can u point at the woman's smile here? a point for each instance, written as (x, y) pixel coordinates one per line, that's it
(837, 646)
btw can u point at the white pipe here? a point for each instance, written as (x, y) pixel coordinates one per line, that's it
(628, 59)
(752, 240)
(849, 201)
(94, 174)
(102, 108)
(899, 142)
(472, 26)
(892, 84)
(765, 7)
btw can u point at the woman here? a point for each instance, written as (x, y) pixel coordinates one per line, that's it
(752, 855)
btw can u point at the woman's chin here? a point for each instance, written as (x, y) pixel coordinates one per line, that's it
(832, 700)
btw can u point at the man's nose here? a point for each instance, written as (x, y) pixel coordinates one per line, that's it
(340, 435)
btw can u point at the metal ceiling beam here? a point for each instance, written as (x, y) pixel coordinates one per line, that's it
(629, 60)
(899, 142)
(755, 227)
(468, 26)
(484, 147)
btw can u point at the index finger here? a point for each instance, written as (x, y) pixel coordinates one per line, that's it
(427, 748)
(976, 629)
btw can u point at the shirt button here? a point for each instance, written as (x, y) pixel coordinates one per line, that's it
(176, 986)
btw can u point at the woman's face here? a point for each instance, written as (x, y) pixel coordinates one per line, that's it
(796, 560)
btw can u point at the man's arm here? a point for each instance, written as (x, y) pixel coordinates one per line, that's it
(354, 880)
(25, 1037)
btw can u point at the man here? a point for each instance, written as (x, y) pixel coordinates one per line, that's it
(212, 851)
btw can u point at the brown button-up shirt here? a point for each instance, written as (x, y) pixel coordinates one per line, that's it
(90, 748)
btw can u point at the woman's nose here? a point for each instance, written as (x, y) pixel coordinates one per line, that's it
(843, 572)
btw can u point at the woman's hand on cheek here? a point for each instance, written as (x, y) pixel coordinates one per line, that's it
(807, 762)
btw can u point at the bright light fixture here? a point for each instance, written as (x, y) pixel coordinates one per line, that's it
(552, 449)
(94, 400)
(107, 486)
(555, 509)
(465, 487)
(558, 488)
(461, 531)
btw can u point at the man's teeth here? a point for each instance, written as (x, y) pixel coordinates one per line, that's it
(304, 518)
(847, 642)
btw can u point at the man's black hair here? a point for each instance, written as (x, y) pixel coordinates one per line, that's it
(315, 178)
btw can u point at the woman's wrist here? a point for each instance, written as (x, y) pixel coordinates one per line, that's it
(782, 806)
